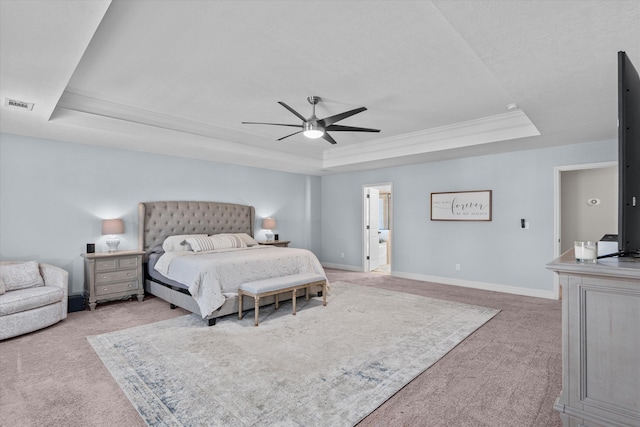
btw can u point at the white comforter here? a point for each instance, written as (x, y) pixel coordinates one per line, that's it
(211, 275)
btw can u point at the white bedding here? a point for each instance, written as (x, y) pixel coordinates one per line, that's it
(211, 275)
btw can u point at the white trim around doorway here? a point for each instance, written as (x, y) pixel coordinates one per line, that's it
(557, 173)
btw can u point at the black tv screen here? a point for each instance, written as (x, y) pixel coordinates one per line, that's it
(628, 157)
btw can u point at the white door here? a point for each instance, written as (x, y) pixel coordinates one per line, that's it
(373, 219)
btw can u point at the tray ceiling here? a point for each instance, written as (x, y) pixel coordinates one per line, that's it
(437, 77)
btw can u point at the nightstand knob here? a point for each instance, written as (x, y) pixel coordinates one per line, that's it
(129, 274)
(104, 289)
(104, 277)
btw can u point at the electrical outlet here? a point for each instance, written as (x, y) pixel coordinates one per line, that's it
(457, 267)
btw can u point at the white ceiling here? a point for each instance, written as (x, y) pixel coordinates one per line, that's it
(179, 77)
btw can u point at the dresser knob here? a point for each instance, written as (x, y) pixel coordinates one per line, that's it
(129, 274)
(104, 277)
(104, 289)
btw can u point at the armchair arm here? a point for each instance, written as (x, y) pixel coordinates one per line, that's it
(58, 277)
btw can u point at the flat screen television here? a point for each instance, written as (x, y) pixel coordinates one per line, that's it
(628, 158)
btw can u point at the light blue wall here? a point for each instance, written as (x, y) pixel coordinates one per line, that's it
(54, 194)
(497, 252)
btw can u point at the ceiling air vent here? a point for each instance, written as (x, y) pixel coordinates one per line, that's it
(18, 104)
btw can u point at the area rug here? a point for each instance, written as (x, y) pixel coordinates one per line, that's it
(326, 366)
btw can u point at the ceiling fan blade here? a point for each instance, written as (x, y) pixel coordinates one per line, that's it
(332, 119)
(273, 124)
(295, 133)
(298, 115)
(327, 137)
(339, 128)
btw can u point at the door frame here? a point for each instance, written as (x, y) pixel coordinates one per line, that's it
(557, 203)
(365, 237)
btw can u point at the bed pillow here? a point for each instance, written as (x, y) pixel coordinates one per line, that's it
(248, 240)
(21, 276)
(157, 249)
(217, 241)
(178, 242)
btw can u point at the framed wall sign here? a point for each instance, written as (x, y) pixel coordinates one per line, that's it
(461, 206)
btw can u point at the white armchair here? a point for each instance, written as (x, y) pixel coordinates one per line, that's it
(32, 308)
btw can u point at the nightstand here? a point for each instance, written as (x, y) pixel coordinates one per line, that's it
(112, 275)
(279, 243)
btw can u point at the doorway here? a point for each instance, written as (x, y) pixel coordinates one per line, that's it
(377, 224)
(586, 205)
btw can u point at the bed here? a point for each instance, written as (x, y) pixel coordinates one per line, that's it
(204, 281)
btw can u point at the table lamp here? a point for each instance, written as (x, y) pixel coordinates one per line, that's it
(111, 227)
(269, 224)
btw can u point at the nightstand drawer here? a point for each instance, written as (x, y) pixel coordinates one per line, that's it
(116, 276)
(106, 264)
(114, 288)
(129, 262)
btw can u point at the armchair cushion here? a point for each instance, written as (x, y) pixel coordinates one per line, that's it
(29, 298)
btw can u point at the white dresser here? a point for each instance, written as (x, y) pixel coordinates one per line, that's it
(600, 342)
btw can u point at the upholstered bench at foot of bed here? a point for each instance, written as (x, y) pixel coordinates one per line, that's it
(278, 285)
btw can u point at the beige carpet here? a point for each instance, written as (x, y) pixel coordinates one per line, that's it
(507, 373)
(326, 366)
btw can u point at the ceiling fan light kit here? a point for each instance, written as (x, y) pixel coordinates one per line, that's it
(310, 126)
(312, 130)
(315, 128)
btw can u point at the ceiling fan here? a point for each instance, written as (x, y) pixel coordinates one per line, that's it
(314, 127)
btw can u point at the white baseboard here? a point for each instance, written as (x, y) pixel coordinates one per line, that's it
(479, 285)
(342, 267)
(537, 293)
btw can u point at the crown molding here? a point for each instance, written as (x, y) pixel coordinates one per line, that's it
(501, 127)
(153, 132)
(86, 104)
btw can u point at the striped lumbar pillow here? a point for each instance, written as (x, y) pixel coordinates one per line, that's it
(211, 243)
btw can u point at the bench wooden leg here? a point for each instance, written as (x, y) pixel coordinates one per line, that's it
(257, 308)
(277, 301)
(240, 305)
(293, 299)
(324, 293)
(306, 293)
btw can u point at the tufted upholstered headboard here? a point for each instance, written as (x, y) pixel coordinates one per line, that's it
(158, 220)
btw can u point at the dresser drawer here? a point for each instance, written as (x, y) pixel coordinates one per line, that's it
(114, 288)
(106, 264)
(116, 276)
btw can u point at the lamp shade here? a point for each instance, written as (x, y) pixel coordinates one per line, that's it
(269, 223)
(112, 226)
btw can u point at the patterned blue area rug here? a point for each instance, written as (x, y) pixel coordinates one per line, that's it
(326, 366)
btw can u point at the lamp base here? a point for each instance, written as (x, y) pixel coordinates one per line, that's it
(113, 244)
(269, 236)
